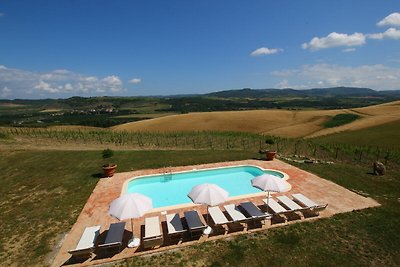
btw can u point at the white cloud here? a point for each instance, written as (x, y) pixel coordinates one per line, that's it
(265, 51)
(135, 80)
(391, 20)
(325, 75)
(390, 33)
(335, 39)
(5, 92)
(348, 50)
(57, 83)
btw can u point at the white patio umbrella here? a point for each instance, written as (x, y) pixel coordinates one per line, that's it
(130, 206)
(270, 183)
(208, 194)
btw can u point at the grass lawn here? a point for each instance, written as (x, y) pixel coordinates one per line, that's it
(386, 136)
(43, 192)
(361, 238)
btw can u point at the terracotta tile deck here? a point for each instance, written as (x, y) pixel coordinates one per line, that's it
(95, 211)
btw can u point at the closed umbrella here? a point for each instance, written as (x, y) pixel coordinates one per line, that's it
(130, 206)
(208, 194)
(270, 183)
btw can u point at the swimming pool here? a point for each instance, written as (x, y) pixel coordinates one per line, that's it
(172, 188)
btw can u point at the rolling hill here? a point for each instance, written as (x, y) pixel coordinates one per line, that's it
(286, 123)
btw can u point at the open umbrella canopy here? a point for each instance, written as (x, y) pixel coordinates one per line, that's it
(130, 206)
(270, 183)
(209, 194)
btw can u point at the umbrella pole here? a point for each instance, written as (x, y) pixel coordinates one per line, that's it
(132, 227)
(268, 203)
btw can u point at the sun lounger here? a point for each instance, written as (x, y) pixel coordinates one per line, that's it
(218, 217)
(194, 222)
(87, 242)
(238, 218)
(152, 232)
(308, 203)
(291, 205)
(174, 227)
(174, 224)
(114, 237)
(235, 214)
(253, 212)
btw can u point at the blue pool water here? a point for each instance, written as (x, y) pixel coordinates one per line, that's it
(172, 189)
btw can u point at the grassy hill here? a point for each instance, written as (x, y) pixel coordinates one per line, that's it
(286, 123)
(385, 136)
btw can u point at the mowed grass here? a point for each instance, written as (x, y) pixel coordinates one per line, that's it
(385, 136)
(43, 192)
(360, 238)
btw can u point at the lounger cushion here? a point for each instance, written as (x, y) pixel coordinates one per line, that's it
(290, 203)
(274, 206)
(217, 215)
(115, 234)
(152, 227)
(235, 213)
(304, 200)
(193, 220)
(87, 241)
(252, 210)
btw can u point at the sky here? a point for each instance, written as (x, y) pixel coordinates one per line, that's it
(63, 48)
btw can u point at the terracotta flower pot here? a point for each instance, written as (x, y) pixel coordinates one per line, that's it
(109, 170)
(270, 155)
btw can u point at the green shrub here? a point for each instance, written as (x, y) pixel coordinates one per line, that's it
(340, 119)
(107, 153)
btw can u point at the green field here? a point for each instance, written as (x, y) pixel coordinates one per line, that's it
(385, 136)
(42, 193)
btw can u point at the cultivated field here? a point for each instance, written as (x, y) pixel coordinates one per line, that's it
(284, 123)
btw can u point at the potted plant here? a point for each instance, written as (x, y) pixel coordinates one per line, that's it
(270, 154)
(108, 168)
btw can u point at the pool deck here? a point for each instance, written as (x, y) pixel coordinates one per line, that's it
(95, 211)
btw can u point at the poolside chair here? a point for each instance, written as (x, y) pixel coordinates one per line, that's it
(87, 243)
(253, 212)
(220, 220)
(292, 206)
(194, 222)
(276, 209)
(174, 226)
(114, 237)
(152, 232)
(308, 203)
(238, 218)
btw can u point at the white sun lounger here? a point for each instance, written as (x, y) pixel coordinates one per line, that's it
(239, 220)
(86, 243)
(308, 203)
(234, 212)
(293, 206)
(218, 217)
(152, 232)
(275, 207)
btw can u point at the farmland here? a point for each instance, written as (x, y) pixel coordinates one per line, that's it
(44, 166)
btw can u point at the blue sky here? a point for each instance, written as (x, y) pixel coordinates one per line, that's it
(64, 48)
